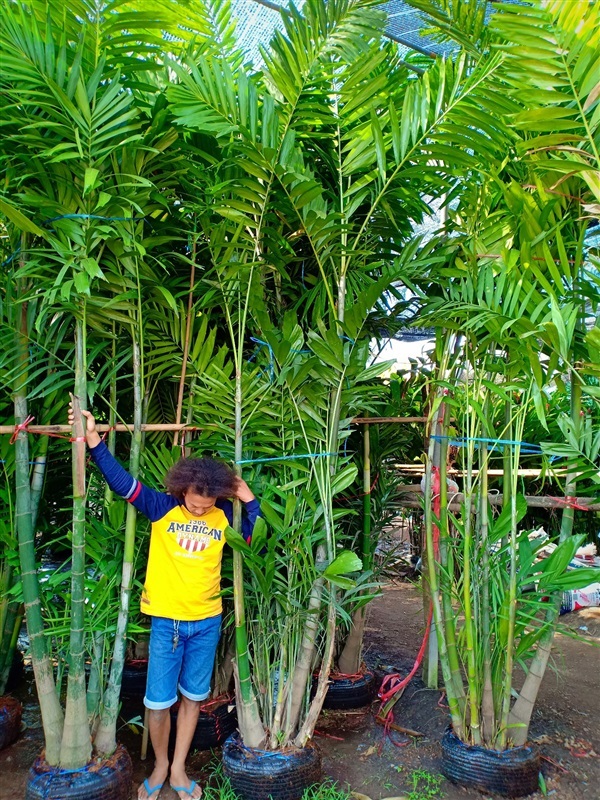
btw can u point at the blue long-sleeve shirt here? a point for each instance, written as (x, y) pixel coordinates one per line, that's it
(184, 562)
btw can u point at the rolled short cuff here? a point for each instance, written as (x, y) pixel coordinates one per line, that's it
(195, 697)
(154, 706)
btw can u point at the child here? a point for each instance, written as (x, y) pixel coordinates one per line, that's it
(181, 592)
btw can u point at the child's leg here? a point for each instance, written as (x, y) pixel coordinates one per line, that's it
(164, 666)
(200, 642)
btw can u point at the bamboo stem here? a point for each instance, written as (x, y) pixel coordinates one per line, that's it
(105, 740)
(52, 715)
(468, 589)
(186, 346)
(453, 701)
(76, 746)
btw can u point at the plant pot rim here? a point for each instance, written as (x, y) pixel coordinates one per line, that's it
(94, 764)
(522, 748)
(236, 741)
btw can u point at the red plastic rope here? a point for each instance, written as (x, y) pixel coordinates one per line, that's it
(21, 426)
(570, 502)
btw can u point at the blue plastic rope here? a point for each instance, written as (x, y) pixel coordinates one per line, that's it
(284, 458)
(54, 773)
(526, 447)
(7, 261)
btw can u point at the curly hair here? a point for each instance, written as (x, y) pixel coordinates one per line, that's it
(204, 476)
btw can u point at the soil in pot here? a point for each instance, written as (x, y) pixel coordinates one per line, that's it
(270, 774)
(351, 691)
(106, 779)
(11, 712)
(509, 773)
(217, 720)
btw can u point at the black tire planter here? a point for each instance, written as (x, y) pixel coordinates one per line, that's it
(133, 681)
(351, 691)
(109, 779)
(270, 774)
(216, 722)
(509, 773)
(11, 712)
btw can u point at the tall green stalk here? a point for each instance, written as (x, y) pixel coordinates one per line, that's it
(520, 714)
(52, 715)
(446, 572)
(76, 747)
(350, 658)
(251, 727)
(469, 618)
(487, 695)
(456, 711)
(106, 736)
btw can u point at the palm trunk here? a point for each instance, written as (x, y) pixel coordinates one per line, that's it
(350, 660)
(454, 701)
(520, 714)
(251, 728)
(304, 663)
(447, 567)
(308, 728)
(52, 715)
(106, 736)
(487, 698)
(76, 747)
(468, 588)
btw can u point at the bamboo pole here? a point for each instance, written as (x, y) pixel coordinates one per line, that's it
(186, 346)
(120, 427)
(126, 427)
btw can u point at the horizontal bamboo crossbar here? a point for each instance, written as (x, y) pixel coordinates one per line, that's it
(104, 428)
(371, 420)
(122, 427)
(414, 492)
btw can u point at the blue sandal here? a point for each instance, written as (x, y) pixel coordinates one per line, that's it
(151, 789)
(189, 791)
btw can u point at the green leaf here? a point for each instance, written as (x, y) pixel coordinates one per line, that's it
(19, 219)
(236, 541)
(344, 563)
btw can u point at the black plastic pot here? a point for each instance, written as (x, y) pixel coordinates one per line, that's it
(217, 720)
(509, 773)
(17, 671)
(270, 774)
(109, 779)
(351, 691)
(133, 682)
(11, 712)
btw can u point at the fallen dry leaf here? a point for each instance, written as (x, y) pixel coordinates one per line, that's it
(370, 751)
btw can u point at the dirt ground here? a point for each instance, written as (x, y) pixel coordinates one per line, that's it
(566, 722)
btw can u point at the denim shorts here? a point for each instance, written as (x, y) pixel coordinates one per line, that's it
(182, 656)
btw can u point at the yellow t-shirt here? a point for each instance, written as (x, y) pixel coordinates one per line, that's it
(183, 579)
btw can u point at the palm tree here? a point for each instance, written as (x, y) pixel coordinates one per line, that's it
(90, 147)
(315, 169)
